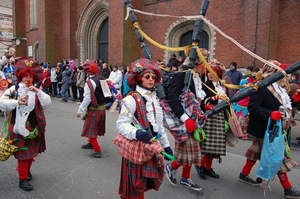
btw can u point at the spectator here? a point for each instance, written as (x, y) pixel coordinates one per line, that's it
(234, 74)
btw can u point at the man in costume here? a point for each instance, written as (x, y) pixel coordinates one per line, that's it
(27, 129)
(264, 104)
(187, 149)
(144, 105)
(93, 104)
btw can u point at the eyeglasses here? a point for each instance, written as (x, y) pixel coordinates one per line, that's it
(154, 77)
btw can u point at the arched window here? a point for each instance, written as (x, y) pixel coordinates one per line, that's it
(186, 39)
(103, 41)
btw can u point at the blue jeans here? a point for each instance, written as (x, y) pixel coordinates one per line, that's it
(63, 94)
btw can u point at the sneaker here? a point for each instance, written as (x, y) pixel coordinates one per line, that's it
(87, 146)
(171, 174)
(189, 184)
(248, 180)
(78, 103)
(292, 193)
(95, 154)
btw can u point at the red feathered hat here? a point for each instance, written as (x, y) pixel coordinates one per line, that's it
(139, 68)
(25, 66)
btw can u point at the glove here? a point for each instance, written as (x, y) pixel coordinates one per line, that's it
(190, 125)
(276, 115)
(144, 135)
(169, 151)
(208, 107)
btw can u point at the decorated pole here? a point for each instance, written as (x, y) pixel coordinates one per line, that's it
(133, 18)
(195, 40)
(250, 90)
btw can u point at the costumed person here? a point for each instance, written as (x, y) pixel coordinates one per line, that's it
(214, 146)
(93, 104)
(27, 129)
(264, 104)
(241, 110)
(143, 104)
(182, 125)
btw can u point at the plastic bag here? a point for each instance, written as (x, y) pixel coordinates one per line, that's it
(21, 118)
(272, 152)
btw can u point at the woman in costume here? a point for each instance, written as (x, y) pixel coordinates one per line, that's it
(264, 104)
(144, 105)
(214, 145)
(28, 129)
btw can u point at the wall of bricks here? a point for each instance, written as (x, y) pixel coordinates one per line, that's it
(268, 28)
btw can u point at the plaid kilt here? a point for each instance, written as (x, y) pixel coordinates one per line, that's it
(35, 146)
(188, 152)
(136, 179)
(174, 124)
(94, 124)
(254, 151)
(215, 142)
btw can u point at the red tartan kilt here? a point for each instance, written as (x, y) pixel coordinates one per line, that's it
(136, 151)
(35, 146)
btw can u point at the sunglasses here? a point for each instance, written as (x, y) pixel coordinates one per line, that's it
(154, 77)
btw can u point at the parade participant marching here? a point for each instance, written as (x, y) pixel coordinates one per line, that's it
(27, 121)
(143, 104)
(215, 143)
(264, 104)
(93, 104)
(187, 148)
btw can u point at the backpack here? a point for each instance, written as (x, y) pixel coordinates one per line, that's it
(165, 85)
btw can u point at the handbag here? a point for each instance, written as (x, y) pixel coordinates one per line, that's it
(234, 124)
(136, 151)
(6, 146)
(272, 153)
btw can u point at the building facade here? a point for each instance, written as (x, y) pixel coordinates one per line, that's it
(50, 31)
(6, 25)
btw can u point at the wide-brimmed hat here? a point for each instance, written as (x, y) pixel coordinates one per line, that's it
(139, 68)
(25, 66)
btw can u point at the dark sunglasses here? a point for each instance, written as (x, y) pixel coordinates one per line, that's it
(154, 77)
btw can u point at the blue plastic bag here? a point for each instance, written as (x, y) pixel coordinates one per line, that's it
(272, 152)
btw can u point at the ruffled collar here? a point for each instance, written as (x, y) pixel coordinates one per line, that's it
(154, 111)
(22, 91)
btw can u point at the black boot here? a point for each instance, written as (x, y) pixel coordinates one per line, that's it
(25, 185)
(29, 176)
(200, 171)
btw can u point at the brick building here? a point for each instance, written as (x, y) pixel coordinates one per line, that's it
(80, 29)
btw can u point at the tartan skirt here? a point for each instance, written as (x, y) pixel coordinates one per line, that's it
(35, 146)
(215, 143)
(94, 124)
(136, 179)
(254, 151)
(188, 152)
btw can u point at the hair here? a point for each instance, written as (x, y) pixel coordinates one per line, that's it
(234, 64)
(250, 68)
(25, 72)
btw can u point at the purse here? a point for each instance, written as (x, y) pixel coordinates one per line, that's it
(234, 124)
(272, 153)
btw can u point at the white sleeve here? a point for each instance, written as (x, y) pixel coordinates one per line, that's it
(124, 122)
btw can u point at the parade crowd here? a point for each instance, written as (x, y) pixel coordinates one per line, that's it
(156, 100)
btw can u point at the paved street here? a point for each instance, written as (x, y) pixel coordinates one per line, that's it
(65, 171)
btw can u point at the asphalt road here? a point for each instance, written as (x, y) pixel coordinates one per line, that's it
(65, 171)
